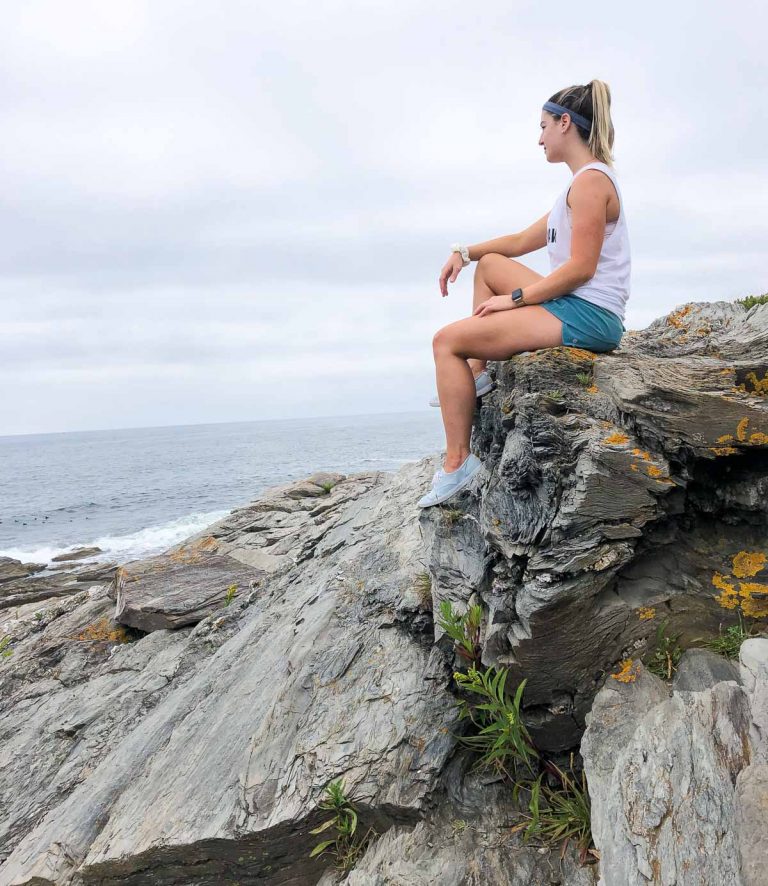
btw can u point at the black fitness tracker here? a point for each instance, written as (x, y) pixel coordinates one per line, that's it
(517, 297)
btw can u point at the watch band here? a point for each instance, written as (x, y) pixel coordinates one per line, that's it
(517, 297)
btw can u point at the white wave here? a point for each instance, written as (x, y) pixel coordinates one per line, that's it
(121, 548)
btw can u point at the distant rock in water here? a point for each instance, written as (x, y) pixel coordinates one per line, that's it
(185, 718)
(77, 554)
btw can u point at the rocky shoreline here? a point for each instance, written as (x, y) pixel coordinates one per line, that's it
(177, 720)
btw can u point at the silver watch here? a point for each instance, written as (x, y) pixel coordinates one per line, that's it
(463, 252)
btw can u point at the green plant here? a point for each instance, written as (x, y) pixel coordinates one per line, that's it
(5, 647)
(423, 586)
(557, 815)
(728, 642)
(464, 629)
(666, 653)
(502, 739)
(452, 515)
(555, 394)
(584, 378)
(750, 301)
(347, 845)
(230, 595)
(327, 486)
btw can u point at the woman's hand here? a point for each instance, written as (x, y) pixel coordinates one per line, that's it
(494, 303)
(450, 271)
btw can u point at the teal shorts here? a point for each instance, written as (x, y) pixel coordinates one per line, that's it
(586, 325)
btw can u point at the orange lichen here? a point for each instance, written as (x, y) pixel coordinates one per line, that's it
(103, 630)
(746, 563)
(723, 450)
(616, 438)
(580, 353)
(741, 429)
(751, 607)
(653, 471)
(751, 596)
(759, 385)
(641, 453)
(592, 389)
(634, 467)
(758, 439)
(646, 612)
(676, 317)
(726, 438)
(627, 673)
(729, 598)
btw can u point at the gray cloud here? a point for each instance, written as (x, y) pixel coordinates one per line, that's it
(198, 194)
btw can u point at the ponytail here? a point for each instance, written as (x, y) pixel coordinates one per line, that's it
(593, 102)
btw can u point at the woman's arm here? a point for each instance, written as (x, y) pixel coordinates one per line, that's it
(589, 198)
(513, 245)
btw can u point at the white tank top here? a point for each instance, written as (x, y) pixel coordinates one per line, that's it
(609, 287)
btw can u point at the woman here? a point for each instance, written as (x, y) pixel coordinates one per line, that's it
(580, 303)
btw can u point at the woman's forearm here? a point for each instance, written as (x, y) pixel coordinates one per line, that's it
(560, 282)
(506, 245)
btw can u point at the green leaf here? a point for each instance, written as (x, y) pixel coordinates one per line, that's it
(321, 847)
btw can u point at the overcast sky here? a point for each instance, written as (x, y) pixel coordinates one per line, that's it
(239, 210)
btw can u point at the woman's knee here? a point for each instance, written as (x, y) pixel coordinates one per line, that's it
(487, 261)
(443, 340)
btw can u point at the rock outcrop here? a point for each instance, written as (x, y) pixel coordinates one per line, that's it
(678, 783)
(621, 490)
(295, 642)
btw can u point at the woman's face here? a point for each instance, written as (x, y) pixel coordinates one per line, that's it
(550, 137)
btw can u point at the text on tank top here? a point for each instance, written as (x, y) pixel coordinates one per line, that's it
(609, 286)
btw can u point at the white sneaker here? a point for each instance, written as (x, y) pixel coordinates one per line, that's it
(483, 385)
(445, 485)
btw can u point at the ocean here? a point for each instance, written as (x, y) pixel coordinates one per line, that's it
(136, 492)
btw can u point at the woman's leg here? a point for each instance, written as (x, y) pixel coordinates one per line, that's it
(497, 275)
(496, 336)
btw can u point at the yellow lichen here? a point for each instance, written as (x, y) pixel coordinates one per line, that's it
(759, 385)
(616, 438)
(758, 438)
(723, 450)
(646, 612)
(627, 672)
(634, 467)
(746, 563)
(726, 438)
(751, 607)
(751, 597)
(741, 429)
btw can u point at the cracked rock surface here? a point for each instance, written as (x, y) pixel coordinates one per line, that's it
(176, 723)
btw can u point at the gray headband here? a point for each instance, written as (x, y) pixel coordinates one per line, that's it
(560, 110)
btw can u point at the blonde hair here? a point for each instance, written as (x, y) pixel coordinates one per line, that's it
(593, 102)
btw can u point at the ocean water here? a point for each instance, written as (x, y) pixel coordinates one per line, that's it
(138, 491)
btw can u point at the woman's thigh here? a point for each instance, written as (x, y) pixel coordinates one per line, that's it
(503, 275)
(499, 335)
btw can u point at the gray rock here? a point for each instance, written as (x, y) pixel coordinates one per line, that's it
(14, 569)
(751, 807)
(76, 554)
(666, 814)
(700, 669)
(753, 661)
